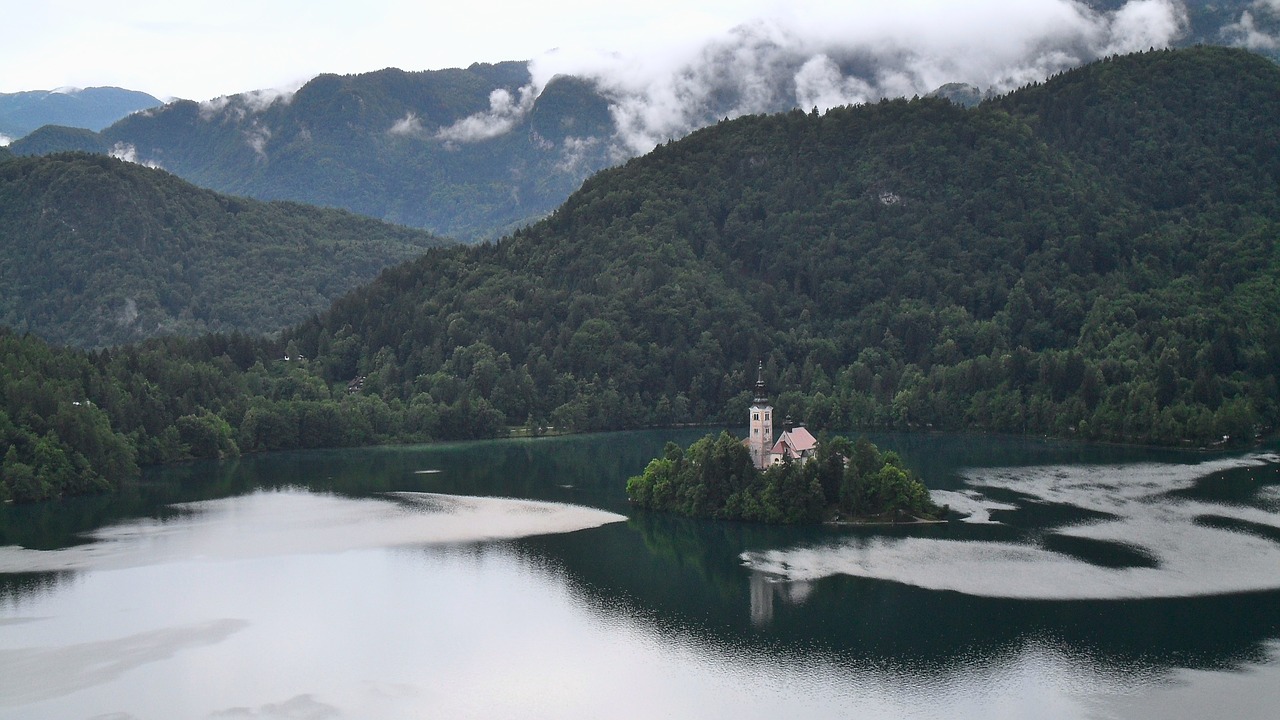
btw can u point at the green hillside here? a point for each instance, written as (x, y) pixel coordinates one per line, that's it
(1094, 257)
(1091, 257)
(98, 252)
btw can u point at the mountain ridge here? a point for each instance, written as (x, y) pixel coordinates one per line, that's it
(91, 108)
(474, 153)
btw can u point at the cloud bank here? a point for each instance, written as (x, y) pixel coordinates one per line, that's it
(826, 54)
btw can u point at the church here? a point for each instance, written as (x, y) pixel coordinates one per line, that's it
(795, 442)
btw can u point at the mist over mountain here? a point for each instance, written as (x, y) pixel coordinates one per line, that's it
(91, 108)
(474, 153)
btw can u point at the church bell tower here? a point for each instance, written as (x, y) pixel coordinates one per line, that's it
(760, 439)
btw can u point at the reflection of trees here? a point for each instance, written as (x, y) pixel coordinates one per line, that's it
(16, 588)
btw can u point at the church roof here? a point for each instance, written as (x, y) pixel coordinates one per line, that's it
(801, 438)
(794, 443)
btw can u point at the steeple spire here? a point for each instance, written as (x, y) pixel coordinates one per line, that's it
(762, 396)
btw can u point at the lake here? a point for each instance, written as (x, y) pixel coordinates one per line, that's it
(511, 579)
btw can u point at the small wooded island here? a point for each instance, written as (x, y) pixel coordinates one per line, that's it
(793, 480)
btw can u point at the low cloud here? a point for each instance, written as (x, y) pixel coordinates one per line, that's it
(5, 140)
(257, 137)
(1143, 24)
(408, 126)
(129, 153)
(240, 106)
(504, 112)
(1247, 32)
(821, 54)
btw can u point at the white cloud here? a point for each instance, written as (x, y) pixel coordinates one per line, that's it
(128, 153)
(407, 126)
(575, 153)
(5, 140)
(1143, 24)
(242, 105)
(503, 114)
(257, 137)
(820, 84)
(825, 54)
(1246, 32)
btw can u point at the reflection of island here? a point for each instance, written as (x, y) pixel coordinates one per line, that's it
(766, 587)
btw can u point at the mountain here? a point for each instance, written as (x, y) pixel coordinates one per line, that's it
(464, 152)
(98, 252)
(474, 153)
(92, 108)
(1093, 256)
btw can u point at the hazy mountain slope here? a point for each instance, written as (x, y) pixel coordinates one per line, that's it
(461, 152)
(98, 251)
(91, 108)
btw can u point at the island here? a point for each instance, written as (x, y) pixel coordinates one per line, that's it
(843, 482)
(793, 479)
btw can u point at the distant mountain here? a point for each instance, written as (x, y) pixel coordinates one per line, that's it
(466, 153)
(99, 252)
(474, 153)
(90, 108)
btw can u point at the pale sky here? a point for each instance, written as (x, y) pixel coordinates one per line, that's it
(199, 49)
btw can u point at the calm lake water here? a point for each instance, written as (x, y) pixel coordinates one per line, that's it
(1083, 582)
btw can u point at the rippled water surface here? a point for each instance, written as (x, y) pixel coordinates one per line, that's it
(511, 579)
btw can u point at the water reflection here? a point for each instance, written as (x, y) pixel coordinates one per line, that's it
(765, 589)
(1145, 538)
(343, 610)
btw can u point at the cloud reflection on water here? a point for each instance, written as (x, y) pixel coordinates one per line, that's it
(1144, 515)
(273, 523)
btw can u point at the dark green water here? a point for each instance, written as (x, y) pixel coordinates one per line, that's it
(1116, 582)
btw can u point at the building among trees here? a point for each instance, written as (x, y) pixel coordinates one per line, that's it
(796, 443)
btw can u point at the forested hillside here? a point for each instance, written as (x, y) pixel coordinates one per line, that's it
(1095, 256)
(1091, 257)
(98, 252)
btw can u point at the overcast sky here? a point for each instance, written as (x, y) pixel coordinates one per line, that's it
(199, 49)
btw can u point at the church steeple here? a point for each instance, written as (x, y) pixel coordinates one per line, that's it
(760, 432)
(762, 396)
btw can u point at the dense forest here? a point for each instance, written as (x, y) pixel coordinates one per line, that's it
(1093, 256)
(845, 481)
(98, 251)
